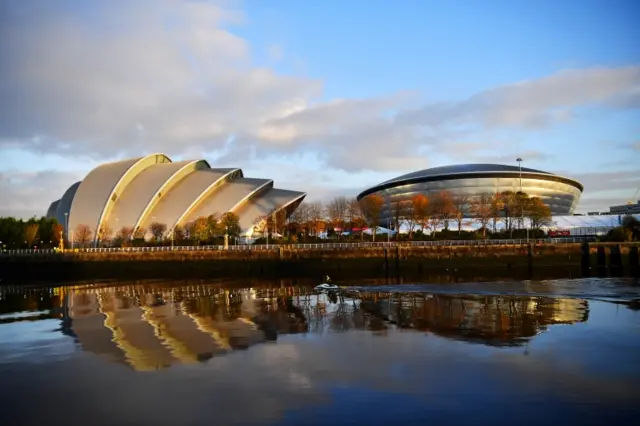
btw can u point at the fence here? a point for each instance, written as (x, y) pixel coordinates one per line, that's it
(319, 246)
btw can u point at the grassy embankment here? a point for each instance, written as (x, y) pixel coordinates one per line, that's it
(465, 262)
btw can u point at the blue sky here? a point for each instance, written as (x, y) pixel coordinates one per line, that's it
(327, 97)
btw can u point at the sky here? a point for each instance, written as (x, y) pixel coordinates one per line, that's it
(327, 97)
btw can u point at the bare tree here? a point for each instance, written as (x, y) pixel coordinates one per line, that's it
(105, 233)
(497, 205)
(371, 206)
(157, 230)
(337, 212)
(481, 209)
(509, 209)
(399, 211)
(316, 217)
(125, 233)
(139, 233)
(83, 234)
(353, 214)
(443, 209)
(460, 205)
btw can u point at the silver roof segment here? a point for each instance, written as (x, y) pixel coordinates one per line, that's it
(64, 206)
(140, 192)
(102, 187)
(268, 202)
(227, 198)
(51, 211)
(176, 202)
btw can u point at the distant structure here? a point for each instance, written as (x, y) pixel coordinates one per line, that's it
(560, 193)
(630, 208)
(140, 191)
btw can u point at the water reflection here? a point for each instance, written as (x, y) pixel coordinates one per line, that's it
(150, 327)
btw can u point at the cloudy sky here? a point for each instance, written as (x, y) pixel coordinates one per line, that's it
(328, 97)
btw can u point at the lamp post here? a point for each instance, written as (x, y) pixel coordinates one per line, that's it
(388, 230)
(519, 160)
(66, 225)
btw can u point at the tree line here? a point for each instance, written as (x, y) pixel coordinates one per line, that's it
(434, 214)
(439, 216)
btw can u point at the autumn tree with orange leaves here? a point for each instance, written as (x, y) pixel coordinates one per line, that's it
(371, 207)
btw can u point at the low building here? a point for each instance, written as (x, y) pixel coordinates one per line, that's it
(630, 208)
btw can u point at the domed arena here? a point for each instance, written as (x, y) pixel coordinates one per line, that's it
(560, 193)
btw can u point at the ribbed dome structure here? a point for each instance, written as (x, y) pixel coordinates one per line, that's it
(139, 191)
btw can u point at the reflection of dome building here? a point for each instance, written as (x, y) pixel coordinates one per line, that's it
(496, 321)
(561, 194)
(137, 192)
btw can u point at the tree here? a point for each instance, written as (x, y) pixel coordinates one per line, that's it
(139, 233)
(337, 213)
(31, 233)
(57, 231)
(105, 233)
(420, 208)
(521, 207)
(199, 230)
(157, 230)
(481, 209)
(302, 217)
(497, 206)
(460, 203)
(178, 233)
(125, 233)
(83, 234)
(510, 206)
(354, 214)
(316, 218)
(371, 207)
(399, 210)
(230, 222)
(538, 213)
(443, 207)
(632, 226)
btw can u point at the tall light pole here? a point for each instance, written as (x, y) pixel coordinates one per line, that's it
(66, 224)
(519, 160)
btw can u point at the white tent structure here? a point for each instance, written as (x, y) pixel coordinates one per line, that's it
(576, 225)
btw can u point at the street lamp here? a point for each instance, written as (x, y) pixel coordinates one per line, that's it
(519, 160)
(66, 225)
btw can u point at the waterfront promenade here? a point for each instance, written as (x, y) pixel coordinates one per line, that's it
(303, 246)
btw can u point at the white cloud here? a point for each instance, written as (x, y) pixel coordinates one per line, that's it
(130, 77)
(537, 103)
(26, 194)
(123, 78)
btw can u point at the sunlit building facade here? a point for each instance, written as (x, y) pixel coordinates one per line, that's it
(560, 193)
(137, 192)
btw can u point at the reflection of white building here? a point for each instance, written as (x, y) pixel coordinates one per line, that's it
(154, 333)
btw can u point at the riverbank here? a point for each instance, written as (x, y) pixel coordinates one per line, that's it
(524, 261)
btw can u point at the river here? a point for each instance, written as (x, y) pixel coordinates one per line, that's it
(230, 352)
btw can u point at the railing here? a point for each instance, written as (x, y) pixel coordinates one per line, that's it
(318, 246)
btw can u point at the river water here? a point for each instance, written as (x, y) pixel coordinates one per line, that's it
(277, 353)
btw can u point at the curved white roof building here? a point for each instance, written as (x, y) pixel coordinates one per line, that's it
(139, 191)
